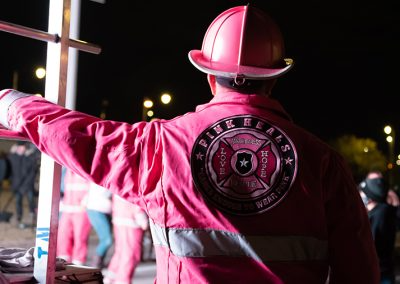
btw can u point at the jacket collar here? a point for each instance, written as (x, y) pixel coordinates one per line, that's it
(258, 101)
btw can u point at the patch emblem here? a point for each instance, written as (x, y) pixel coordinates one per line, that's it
(243, 165)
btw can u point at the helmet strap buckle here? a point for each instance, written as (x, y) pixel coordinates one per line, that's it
(239, 80)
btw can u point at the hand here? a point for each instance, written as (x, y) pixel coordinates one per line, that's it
(392, 198)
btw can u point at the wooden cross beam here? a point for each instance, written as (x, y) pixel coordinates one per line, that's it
(44, 36)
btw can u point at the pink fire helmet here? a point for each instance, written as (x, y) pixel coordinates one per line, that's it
(242, 42)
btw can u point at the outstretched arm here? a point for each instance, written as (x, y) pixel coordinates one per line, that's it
(104, 152)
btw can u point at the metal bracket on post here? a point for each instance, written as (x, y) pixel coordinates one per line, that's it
(55, 91)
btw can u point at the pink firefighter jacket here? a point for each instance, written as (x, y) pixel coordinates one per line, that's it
(235, 191)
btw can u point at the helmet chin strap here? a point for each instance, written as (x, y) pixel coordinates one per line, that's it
(241, 84)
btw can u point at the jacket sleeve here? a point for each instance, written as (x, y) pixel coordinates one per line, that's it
(104, 152)
(352, 254)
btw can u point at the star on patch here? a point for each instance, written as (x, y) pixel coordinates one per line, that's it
(243, 163)
(288, 161)
(199, 156)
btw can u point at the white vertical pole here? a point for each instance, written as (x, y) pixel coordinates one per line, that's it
(73, 55)
(50, 171)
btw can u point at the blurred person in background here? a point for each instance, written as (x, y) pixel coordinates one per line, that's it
(393, 199)
(129, 223)
(382, 216)
(74, 225)
(98, 206)
(24, 167)
(4, 168)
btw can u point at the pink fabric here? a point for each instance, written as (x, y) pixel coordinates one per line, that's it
(128, 237)
(122, 209)
(73, 235)
(74, 225)
(76, 190)
(127, 253)
(148, 164)
(8, 134)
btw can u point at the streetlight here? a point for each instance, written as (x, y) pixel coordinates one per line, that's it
(147, 105)
(387, 129)
(147, 111)
(390, 139)
(40, 72)
(166, 98)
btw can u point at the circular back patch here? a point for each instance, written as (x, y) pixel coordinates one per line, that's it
(243, 165)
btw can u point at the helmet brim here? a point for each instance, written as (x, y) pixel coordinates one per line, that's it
(232, 71)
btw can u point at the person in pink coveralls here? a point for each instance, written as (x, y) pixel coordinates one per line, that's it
(129, 223)
(235, 190)
(74, 225)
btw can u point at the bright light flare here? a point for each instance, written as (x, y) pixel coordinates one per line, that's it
(150, 113)
(387, 129)
(148, 103)
(166, 98)
(40, 72)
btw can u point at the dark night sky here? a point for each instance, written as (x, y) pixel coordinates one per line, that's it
(345, 78)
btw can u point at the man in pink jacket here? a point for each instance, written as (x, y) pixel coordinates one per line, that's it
(235, 191)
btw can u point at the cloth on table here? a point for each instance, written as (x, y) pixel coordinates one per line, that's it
(21, 260)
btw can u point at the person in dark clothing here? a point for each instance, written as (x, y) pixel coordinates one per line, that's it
(23, 158)
(382, 217)
(4, 167)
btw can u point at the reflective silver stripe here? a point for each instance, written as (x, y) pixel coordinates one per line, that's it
(125, 222)
(8, 99)
(207, 242)
(71, 208)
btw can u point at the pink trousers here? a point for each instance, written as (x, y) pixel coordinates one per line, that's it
(127, 254)
(73, 235)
